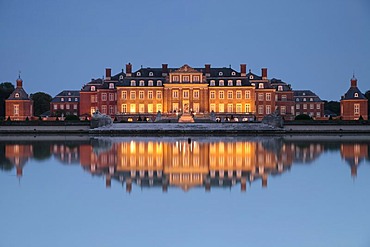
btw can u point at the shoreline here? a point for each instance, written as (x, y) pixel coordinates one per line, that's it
(186, 129)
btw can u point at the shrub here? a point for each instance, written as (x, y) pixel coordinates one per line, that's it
(303, 117)
(72, 118)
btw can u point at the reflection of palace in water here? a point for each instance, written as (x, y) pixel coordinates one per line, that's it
(184, 163)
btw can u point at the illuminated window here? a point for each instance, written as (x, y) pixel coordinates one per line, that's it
(132, 95)
(229, 94)
(175, 94)
(268, 97)
(150, 94)
(185, 94)
(357, 109)
(238, 94)
(133, 83)
(221, 94)
(141, 83)
(230, 83)
(124, 108)
(247, 94)
(229, 107)
(150, 108)
(159, 95)
(260, 96)
(239, 108)
(212, 94)
(260, 85)
(124, 95)
(132, 108)
(212, 107)
(238, 82)
(221, 83)
(196, 94)
(150, 83)
(159, 107)
(159, 83)
(104, 97)
(247, 108)
(221, 108)
(212, 82)
(141, 108)
(196, 78)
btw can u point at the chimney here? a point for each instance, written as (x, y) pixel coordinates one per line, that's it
(243, 184)
(108, 181)
(264, 73)
(243, 69)
(128, 185)
(208, 70)
(128, 69)
(353, 82)
(108, 73)
(264, 181)
(164, 69)
(19, 171)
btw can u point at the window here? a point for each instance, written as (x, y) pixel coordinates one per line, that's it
(150, 83)
(212, 94)
(185, 78)
(230, 83)
(185, 94)
(124, 95)
(76, 99)
(150, 108)
(247, 108)
(55, 107)
(212, 82)
(111, 110)
(238, 94)
(104, 97)
(94, 98)
(111, 97)
(229, 94)
(304, 99)
(132, 108)
(283, 110)
(150, 94)
(221, 108)
(150, 73)
(318, 114)
(196, 94)
(283, 97)
(133, 83)
(238, 108)
(221, 83)
(132, 95)
(141, 95)
(141, 108)
(159, 95)
(238, 82)
(260, 85)
(92, 88)
(104, 109)
(311, 99)
(16, 110)
(251, 77)
(356, 95)
(260, 109)
(212, 108)
(221, 94)
(111, 85)
(121, 77)
(67, 106)
(318, 106)
(357, 109)
(280, 88)
(229, 107)
(297, 106)
(62, 107)
(220, 73)
(312, 106)
(248, 94)
(268, 109)
(233, 73)
(196, 107)
(175, 94)
(268, 97)
(69, 99)
(75, 107)
(138, 74)
(159, 107)
(304, 106)
(159, 83)
(92, 110)
(196, 78)
(260, 96)
(62, 99)
(141, 83)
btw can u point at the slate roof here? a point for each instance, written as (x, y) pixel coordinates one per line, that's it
(98, 84)
(352, 91)
(308, 94)
(72, 94)
(22, 94)
(277, 82)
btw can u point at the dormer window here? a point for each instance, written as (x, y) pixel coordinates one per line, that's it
(133, 83)
(111, 85)
(62, 99)
(221, 83)
(311, 99)
(138, 74)
(220, 73)
(69, 93)
(251, 77)
(196, 78)
(141, 83)
(150, 83)
(260, 85)
(304, 99)
(121, 77)
(159, 83)
(16, 95)
(356, 95)
(76, 99)
(212, 82)
(303, 94)
(69, 99)
(175, 78)
(280, 88)
(238, 82)
(229, 82)
(92, 88)
(297, 99)
(233, 73)
(150, 73)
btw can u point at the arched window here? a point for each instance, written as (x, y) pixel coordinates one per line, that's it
(238, 82)
(233, 73)
(133, 83)
(260, 85)
(212, 82)
(141, 83)
(356, 95)
(280, 88)
(16, 95)
(111, 85)
(220, 73)
(221, 83)
(150, 73)
(229, 82)
(159, 83)
(150, 83)
(251, 77)
(92, 88)
(138, 74)
(121, 77)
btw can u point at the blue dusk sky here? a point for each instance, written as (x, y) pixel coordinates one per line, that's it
(59, 45)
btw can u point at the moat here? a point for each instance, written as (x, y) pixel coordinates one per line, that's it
(185, 191)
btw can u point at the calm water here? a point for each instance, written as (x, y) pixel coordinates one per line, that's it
(288, 191)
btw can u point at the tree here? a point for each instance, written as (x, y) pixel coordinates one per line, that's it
(333, 106)
(41, 102)
(367, 95)
(6, 88)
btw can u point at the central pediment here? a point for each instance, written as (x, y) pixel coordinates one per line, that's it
(185, 69)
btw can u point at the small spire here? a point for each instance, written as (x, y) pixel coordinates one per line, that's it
(19, 74)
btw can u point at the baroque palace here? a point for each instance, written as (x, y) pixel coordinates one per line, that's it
(201, 92)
